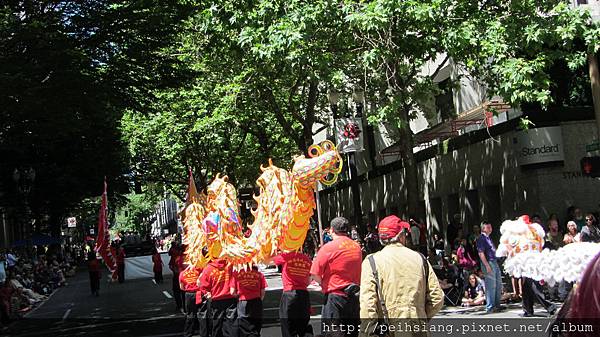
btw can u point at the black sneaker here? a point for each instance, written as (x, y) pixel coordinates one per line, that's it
(526, 314)
(552, 309)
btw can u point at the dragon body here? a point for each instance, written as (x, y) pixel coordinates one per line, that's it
(521, 242)
(281, 219)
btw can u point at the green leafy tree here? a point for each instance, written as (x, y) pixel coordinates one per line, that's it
(68, 71)
(508, 45)
(135, 215)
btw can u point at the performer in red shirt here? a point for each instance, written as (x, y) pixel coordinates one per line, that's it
(157, 266)
(250, 286)
(175, 264)
(188, 282)
(294, 308)
(94, 269)
(217, 283)
(120, 258)
(337, 269)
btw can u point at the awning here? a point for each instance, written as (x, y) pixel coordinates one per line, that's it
(481, 114)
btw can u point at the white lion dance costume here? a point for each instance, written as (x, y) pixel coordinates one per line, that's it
(522, 242)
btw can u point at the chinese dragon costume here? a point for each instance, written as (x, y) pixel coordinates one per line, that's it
(281, 219)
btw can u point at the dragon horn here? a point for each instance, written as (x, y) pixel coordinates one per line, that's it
(270, 162)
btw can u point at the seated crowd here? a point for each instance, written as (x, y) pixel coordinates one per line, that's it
(29, 280)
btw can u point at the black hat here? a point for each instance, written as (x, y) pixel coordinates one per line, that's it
(340, 225)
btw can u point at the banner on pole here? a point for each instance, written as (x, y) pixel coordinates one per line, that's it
(103, 239)
(349, 134)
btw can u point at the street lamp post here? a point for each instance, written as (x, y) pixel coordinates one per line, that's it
(24, 179)
(358, 99)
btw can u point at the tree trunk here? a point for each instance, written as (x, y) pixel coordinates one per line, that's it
(309, 120)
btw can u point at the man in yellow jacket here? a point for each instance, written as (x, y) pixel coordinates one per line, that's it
(407, 290)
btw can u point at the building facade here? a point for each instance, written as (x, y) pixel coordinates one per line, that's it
(474, 164)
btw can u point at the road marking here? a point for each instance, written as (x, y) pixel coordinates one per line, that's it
(66, 314)
(167, 295)
(153, 281)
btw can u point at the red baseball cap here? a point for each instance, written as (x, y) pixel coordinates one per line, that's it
(390, 226)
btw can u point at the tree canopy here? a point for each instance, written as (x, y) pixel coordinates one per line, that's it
(68, 71)
(140, 91)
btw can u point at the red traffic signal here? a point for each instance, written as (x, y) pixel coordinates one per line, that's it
(590, 166)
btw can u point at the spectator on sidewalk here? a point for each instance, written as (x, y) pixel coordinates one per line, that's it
(490, 268)
(397, 282)
(554, 237)
(590, 232)
(572, 234)
(372, 243)
(474, 293)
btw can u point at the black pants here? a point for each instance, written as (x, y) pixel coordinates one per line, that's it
(294, 314)
(204, 321)
(121, 272)
(177, 293)
(223, 317)
(340, 316)
(191, 314)
(94, 281)
(249, 317)
(158, 278)
(532, 292)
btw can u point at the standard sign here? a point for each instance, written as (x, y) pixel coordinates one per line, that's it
(539, 145)
(71, 222)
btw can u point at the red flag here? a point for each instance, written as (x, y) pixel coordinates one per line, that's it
(103, 239)
(192, 192)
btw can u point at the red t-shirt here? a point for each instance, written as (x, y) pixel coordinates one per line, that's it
(121, 256)
(157, 261)
(217, 280)
(188, 279)
(338, 264)
(249, 283)
(94, 266)
(296, 270)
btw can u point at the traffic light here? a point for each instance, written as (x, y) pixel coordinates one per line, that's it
(590, 166)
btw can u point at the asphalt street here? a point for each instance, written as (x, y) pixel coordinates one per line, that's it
(133, 308)
(143, 308)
